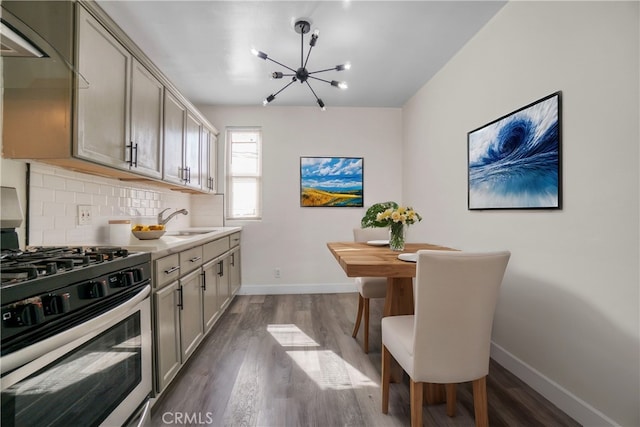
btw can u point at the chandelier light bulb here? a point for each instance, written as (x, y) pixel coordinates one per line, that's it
(268, 99)
(345, 66)
(314, 38)
(321, 104)
(276, 75)
(258, 53)
(341, 85)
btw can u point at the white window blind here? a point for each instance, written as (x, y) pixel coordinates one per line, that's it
(244, 173)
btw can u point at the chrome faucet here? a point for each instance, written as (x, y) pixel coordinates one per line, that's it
(162, 221)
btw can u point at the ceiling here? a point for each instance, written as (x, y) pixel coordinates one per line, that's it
(394, 47)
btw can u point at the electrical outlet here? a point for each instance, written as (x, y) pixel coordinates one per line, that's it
(84, 215)
(276, 273)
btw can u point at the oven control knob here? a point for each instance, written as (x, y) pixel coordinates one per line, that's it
(28, 314)
(95, 289)
(127, 279)
(56, 304)
(138, 274)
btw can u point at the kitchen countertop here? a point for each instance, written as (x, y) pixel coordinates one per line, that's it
(171, 243)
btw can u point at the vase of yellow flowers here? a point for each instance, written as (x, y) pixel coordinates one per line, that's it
(396, 217)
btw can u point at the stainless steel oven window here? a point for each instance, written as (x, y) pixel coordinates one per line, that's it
(99, 378)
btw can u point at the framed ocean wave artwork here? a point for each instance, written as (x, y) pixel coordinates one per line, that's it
(331, 181)
(514, 162)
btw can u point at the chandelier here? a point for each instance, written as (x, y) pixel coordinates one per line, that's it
(302, 75)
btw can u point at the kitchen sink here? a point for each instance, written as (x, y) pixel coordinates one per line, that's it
(187, 233)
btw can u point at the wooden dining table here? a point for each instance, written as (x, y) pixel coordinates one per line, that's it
(359, 259)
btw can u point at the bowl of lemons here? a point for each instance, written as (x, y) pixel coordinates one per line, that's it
(148, 232)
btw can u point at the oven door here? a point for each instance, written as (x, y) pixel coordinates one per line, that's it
(98, 374)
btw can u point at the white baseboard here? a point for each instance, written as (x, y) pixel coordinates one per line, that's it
(319, 288)
(572, 405)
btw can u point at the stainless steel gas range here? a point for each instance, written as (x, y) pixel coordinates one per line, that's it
(76, 336)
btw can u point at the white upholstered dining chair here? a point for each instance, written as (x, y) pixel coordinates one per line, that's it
(446, 341)
(368, 287)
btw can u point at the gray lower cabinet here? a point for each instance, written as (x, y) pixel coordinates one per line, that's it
(235, 279)
(210, 306)
(191, 330)
(224, 294)
(192, 290)
(167, 334)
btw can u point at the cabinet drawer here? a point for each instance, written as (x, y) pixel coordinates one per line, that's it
(215, 248)
(190, 259)
(235, 239)
(167, 269)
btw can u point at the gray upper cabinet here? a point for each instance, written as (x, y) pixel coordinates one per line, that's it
(103, 107)
(209, 159)
(147, 99)
(192, 166)
(174, 134)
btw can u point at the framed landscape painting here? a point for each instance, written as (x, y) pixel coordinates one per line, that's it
(331, 181)
(514, 161)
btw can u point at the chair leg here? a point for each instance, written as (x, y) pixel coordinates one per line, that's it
(451, 399)
(480, 403)
(385, 378)
(366, 325)
(358, 316)
(415, 391)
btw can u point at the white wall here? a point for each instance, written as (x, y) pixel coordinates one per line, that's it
(293, 238)
(568, 310)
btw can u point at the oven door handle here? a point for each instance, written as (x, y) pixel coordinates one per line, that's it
(25, 355)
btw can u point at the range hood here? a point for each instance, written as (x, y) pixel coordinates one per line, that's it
(28, 59)
(12, 43)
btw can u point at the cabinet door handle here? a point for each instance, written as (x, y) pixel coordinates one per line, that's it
(204, 281)
(195, 259)
(133, 155)
(189, 174)
(172, 269)
(233, 259)
(221, 269)
(180, 298)
(135, 158)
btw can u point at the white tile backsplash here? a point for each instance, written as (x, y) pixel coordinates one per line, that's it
(55, 194)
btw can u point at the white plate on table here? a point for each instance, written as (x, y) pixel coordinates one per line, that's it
(378, 242)
(410, 257)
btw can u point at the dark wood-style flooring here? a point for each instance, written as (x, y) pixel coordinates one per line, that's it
(290, 360)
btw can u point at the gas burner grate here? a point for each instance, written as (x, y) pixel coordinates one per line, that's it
(39, 261)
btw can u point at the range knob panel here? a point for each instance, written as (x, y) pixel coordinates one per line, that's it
(56, 304)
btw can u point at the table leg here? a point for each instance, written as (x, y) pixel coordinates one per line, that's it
(399, 298)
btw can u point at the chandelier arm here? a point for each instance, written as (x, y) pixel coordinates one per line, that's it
(322, 71)
(312, 91)
(318, 78)
(308, 55)
(282, 65)
(286, 86)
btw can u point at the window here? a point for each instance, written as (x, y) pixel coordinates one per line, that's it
(244, 173)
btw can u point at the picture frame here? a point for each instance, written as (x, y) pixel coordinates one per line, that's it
(514, 162)
(331, 181)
